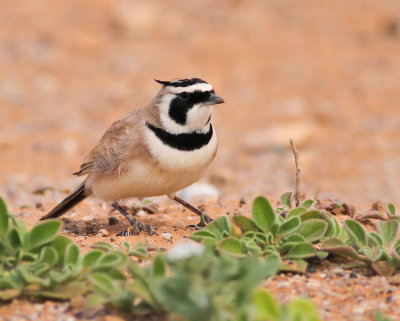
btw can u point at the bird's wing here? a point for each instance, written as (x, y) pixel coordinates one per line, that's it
(119, 143)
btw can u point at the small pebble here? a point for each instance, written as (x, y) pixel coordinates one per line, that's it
(112, 220)
(141, 213)
(200, 192)
(81, 226)
(167, 236)
(90, 230)
(103, 232)
(312, 269)
(353, 275)
(179, 223)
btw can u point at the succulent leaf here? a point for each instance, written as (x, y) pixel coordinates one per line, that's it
(263, 214)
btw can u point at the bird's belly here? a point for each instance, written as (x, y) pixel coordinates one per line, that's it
(145, 180)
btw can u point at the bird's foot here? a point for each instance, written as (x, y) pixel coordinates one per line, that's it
(204, 220)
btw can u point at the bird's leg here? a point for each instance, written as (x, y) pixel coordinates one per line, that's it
(136, 225)
(204, 218)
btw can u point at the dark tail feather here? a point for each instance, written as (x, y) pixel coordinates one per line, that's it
(74, 198)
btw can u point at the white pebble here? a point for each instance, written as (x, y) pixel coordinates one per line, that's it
(141, 213)
(167, 236)
(179, 223)
(200, 192)
(103, 232)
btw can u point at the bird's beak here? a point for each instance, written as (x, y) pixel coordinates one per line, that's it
(213, 100)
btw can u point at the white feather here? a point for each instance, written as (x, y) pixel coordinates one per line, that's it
(190, 89)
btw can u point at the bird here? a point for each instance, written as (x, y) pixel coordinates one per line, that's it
(152, 151)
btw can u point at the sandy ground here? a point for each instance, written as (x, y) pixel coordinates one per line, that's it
(325, 73)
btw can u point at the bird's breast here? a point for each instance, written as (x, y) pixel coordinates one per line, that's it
(187, 151)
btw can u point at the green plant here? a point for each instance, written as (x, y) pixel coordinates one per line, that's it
(266, 308)
(192, 283)
(284, 233)
(379, 316)
(380, 250)
(189, 283)
(41, 263)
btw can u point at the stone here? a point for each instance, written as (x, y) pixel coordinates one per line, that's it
(103, 232)
(167, 236)
(200, 192)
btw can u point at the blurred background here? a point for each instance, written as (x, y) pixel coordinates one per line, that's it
(326, 73)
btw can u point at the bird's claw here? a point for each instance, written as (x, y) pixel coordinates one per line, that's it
(204, 220)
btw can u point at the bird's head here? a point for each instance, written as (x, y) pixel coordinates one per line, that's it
(186, 105)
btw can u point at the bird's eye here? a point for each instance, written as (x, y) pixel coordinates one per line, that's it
(185, 95)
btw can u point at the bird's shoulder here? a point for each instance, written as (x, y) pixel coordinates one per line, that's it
(119, 142)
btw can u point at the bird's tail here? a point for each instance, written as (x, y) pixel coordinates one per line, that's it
(69, 202)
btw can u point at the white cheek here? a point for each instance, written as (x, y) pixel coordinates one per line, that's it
(198, 116)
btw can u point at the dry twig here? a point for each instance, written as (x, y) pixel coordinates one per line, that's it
(296, 160)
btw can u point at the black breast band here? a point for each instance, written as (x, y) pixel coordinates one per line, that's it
(184, 142)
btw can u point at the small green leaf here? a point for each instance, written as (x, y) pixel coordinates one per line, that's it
(374, 239)
(273, 262)
(13, 239)
(266, 307)
(303, 309)
(68, 291)
(231, 246)
(301, 251)
(286, 199)
(307, 203)
(219, 227)
(60, 244)
(117, 259)
(383, 268)
(6, 295)
(3, 217)
(312, 229)
(337, 247)
(294, 238)
(388, 230)
(71, 255)
(95, 300)
(199, 236)
(289, 226)
(43, 233)
(102, 282)
(391, 209)
(104, 246)
(311, 215)
(49, 256)
(159, 266)
(244, 223)
(296, 211)
(356, 232)
(91, 258)
(263, 214)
